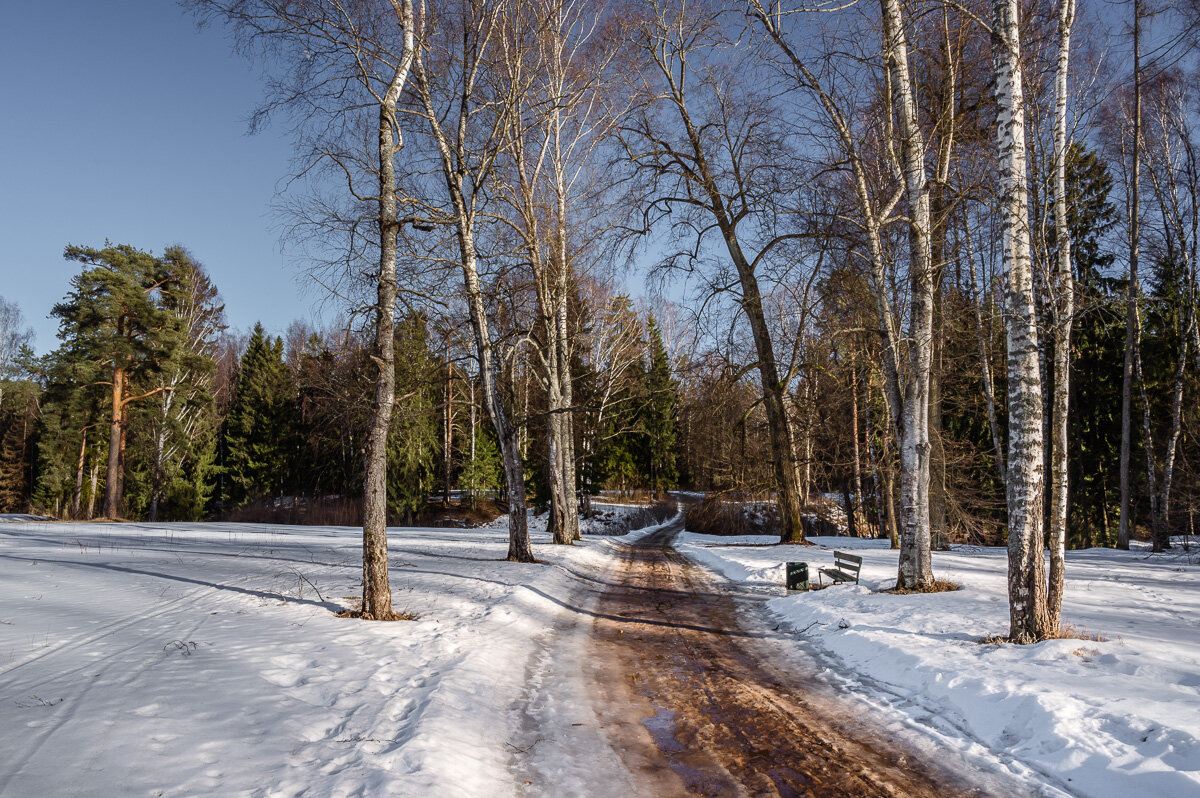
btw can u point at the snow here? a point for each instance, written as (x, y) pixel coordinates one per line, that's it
(610, 518)
(206, 659)
(1110, 717)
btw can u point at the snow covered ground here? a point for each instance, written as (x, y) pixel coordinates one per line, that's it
(610, 518)
(206, 659)
(1114, 717)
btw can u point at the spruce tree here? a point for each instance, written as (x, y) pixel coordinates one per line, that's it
(659, 413)
(413, 439)
(259, 426)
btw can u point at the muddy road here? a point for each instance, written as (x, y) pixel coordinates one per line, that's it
(698, 702)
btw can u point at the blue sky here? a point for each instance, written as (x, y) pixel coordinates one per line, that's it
(121, 121)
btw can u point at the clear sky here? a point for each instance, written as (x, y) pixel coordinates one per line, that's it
(120, 120)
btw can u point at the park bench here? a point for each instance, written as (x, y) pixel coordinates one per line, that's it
(845, 568)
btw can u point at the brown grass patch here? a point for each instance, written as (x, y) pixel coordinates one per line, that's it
(936, 586)
(1067, 631)
(356, 612)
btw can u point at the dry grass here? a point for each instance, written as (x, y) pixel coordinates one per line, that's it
(1067, 631)
(356, 612)
(347, 511)
(936, 586)
(724, 514)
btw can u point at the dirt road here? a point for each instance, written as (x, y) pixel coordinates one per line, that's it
(713, 714)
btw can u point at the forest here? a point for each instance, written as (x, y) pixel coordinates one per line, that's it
(927, 266)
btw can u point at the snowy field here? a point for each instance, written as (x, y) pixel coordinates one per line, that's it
(206, 659)
(1116, 717)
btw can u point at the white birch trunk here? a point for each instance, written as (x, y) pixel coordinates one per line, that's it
(1063, 295)
(1026, 464)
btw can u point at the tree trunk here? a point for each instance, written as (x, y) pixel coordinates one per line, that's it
(448, 428)
(1124, 531)
(91, 502)
(377, 591)
(857, 465)
(112, 480)
(571, 506)
(915, 569)
(1026, 464)
(77, 498)
(1064, 313)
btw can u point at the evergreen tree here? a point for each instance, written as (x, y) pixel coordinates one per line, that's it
(18, 420)
(115, 330)
(413, 439)
(481, 465)
(259, 427)
(659, 413)
(1099, 346)
(176, 428)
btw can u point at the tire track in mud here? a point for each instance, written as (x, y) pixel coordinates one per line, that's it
(712, 715)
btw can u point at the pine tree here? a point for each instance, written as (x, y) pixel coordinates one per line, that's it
(115, 330)
(176, 440)
(259, 430)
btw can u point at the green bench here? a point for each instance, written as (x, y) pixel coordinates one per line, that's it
(845, 568)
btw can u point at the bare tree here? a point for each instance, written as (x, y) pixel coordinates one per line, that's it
(340, 63)
(1062, 319)
(712, 159)
(907, 359)
(14, 337)
(556, 52)
(463, 109)
(1133, 209)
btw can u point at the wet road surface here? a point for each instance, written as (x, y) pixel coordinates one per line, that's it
(711, 713)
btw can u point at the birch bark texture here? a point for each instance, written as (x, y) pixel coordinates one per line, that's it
(916, 568)
(1063, 318)
(377, 592)
(1028, 619)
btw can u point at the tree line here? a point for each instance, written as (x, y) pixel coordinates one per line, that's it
(151, 408)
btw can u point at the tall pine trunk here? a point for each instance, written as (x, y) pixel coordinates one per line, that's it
(112, 478)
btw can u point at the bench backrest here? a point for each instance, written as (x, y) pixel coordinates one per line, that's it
(848, 562)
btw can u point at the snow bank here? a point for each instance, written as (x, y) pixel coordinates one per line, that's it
(1104, 718)
(174, 659)
(611, 519)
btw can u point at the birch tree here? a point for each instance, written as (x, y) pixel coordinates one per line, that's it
(906, 359)
(1028, 617)
(342, 67)
(1063, 317)
(555, 51)
(464, 114)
